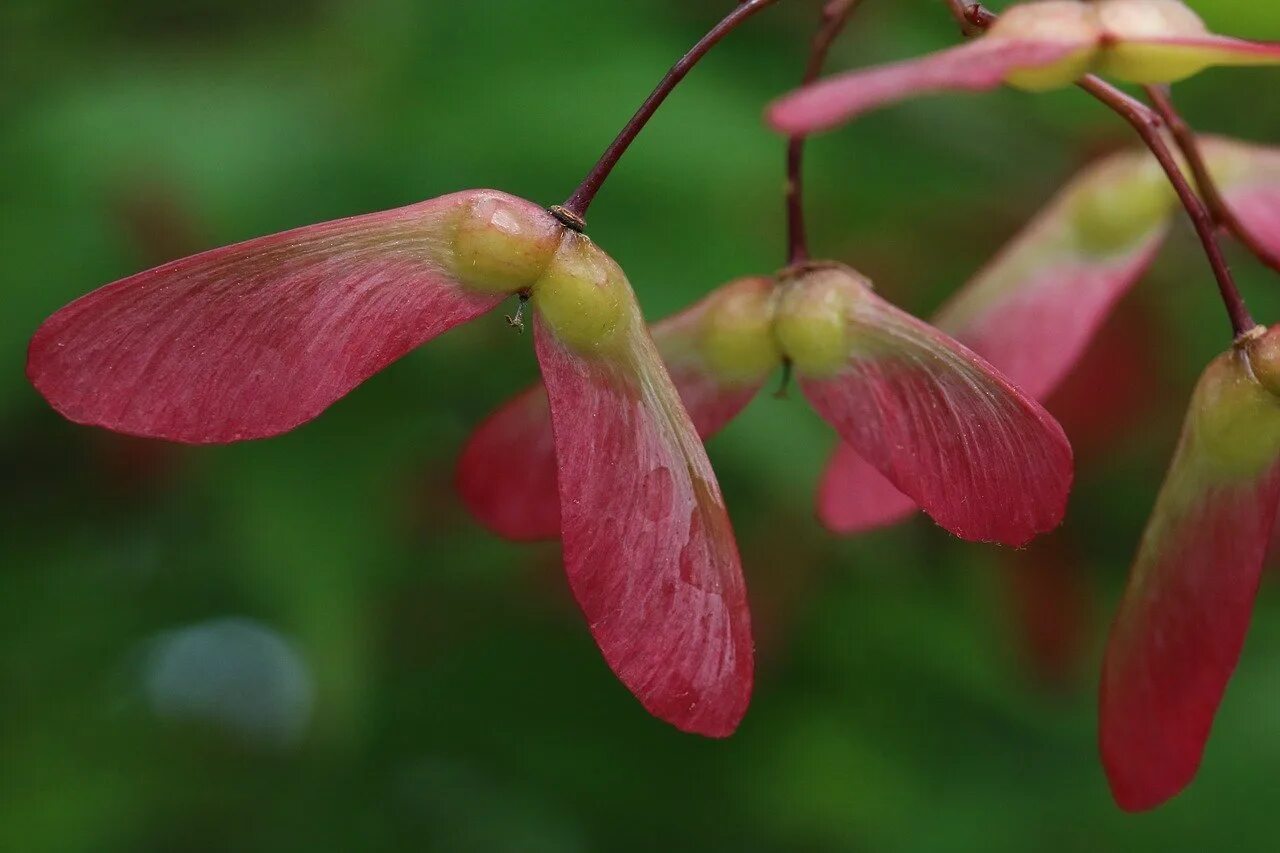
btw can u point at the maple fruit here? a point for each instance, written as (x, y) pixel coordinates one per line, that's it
(719, 353)
(582, 297)
(1036, 46)
(252, 340)
(937, 421)
(648, 548)
(502, 247)
(1182, 623)
(1032, 311)
(736, 337)
(1035, 308)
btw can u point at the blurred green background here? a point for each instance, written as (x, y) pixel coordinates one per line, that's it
(305, 644)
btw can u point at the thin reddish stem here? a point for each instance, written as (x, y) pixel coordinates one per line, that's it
(797, 232)
(1189, 145)
(574, 211)
(836, 15)
(1148, 125)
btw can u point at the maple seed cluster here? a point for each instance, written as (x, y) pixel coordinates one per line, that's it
(255, 339)
(1183, 619)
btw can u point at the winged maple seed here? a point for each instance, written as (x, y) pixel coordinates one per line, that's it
(252, 340)
(719, 353)
(1036, 47)
(1182, 622)
(1031, 313)
(935, 420)
(1036, 307)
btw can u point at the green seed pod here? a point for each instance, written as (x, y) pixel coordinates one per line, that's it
(1124, 20)
(1050, 20)
(736, 336)
(502, 245)
(1262, 346)
(812, 319)
(1236, 410)
(1121, 205)
(583, 296)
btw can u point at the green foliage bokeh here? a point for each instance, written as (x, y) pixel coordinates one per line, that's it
(459, 704)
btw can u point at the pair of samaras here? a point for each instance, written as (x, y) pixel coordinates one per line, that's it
(1035, 46)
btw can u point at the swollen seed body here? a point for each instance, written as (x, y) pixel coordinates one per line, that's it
(502, 247)
(1126, 20)
(736, 338)
(812, 321)
(1121, 206)
(1237, 417)
(583, 296)
(1053, 21)
(1263, 352)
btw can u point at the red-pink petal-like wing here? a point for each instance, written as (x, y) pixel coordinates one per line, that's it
(854, 497)
(251, 340)
(945, 428)
(507, 471)
(977, 66)
(711, 398)
(1031, 313)
(1249, 178)
(506, 475)
(1184, 616)
(648, 547)
(1258, 209)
